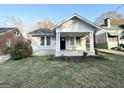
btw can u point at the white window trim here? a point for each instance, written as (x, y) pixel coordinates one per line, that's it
(8, 43)
(45, 41)
(74, 41)
(17, 34)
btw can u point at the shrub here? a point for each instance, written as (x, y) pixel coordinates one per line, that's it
(121, 45)
(85, 54)
(21, 50)
(8, 50)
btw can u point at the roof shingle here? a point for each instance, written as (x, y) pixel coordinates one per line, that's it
(3, 30)
(42, 32)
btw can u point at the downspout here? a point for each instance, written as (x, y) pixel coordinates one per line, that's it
(118, 41)
(107, 40)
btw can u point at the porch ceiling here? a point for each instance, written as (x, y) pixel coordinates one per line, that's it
(74, 34)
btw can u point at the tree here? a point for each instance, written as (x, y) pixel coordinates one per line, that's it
(42, 24)
(12, 21)
(114, 17)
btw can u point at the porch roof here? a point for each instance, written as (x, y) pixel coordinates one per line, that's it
(113, 34)
(75, 34)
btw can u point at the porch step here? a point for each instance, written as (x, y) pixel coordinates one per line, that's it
(73, 53)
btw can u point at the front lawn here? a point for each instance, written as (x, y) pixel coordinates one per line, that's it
(41, 72)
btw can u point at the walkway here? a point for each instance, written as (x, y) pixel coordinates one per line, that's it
(111, 51)
(4, 58)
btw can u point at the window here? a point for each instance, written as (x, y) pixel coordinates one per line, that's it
(42, 40)
(113, 39)
(78, 41)
(16, 34)
(8, 43)
(74, 22)
(72, 41)
(47, 40)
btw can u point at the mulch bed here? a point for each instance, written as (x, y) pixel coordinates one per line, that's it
(78, 58)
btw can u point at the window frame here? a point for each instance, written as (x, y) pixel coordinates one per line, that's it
(43, 41)
(47, 41)
(74, 41)
(16, 33)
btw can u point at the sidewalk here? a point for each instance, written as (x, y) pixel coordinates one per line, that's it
(4, 58)
(111, 51)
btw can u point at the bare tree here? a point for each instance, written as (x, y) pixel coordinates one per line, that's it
(114, 16)
(11, 21)
(15, 22)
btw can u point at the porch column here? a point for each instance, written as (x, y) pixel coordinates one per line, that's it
(57, 41)
(91, 41)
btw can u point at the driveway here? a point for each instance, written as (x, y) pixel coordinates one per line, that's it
(4, 58)
(111, 51)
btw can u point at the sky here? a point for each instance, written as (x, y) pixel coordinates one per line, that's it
(29, 12)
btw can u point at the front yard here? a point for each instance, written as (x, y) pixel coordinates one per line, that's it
(41, 72)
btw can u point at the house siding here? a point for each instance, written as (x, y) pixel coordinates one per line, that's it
(101, 41)
(9, 36)
(104, 41)
(112, 44)
(78, 26)
(40, 49)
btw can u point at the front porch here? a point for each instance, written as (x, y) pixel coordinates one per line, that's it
(73, 53)
(74, 43)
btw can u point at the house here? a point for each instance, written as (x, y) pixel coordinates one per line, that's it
(9, 37)
(121, 38)
(109, 36)
(71, 37)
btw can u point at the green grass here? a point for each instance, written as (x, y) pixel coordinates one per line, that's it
(41, 72)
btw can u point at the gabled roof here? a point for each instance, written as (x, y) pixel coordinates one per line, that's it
(79, 17)
(41, 32)
(3, 30)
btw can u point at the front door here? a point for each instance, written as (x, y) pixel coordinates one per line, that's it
(62, 43)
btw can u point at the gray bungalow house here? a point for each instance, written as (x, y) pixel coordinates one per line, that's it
(109, 36)
(71, 37)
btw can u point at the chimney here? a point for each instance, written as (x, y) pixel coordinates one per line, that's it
(107, 22)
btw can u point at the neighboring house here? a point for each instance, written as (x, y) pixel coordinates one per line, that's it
(9, 37)
(109, 36)
(121, 38)
(71, 37)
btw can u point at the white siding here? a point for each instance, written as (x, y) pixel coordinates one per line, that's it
(42, 50)
(78, 26)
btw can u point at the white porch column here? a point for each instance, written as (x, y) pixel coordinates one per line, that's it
(57, 41)
(91, 41)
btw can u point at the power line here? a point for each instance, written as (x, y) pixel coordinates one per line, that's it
(112, 16)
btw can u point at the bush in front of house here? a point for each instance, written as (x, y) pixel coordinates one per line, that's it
(21, 50)
(121, 47)
(7, 50)
(85, 54)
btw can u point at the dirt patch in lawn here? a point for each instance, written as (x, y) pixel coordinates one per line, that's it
(78, 58)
